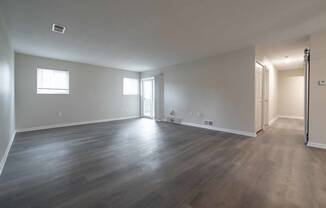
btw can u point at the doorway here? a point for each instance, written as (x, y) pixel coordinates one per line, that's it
(148, 97)
(286, 100)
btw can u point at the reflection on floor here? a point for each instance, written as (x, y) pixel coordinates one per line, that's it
(142, 163)
(286, 123)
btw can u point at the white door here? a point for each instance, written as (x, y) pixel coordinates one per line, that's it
(259, 97)
(148, 97)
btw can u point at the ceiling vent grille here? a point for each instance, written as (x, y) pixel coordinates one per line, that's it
(58, 28)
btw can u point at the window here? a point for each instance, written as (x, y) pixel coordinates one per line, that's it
(51, 81)
(130, 86)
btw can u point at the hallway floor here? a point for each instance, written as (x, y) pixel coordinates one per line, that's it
(291, 124)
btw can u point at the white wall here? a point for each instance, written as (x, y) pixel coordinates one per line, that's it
(7, 111)
(219, 88)
(291, 93)
(273, 91)
(318, 93)
(95, 94)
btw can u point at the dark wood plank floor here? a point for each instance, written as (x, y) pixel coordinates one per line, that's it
(141, 163)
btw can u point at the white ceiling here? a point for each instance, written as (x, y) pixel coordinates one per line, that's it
(141, 35)
(276, 52)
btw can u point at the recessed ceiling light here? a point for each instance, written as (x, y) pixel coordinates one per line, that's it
(58, 28)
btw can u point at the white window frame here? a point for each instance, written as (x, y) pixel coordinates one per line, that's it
(52, 91)
(126, 91)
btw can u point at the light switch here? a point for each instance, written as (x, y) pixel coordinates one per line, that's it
(322, 83)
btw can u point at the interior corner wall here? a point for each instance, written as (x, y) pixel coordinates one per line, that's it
(96, 94)
(273, 92)
(317, 131)
(159, 96)
(291, 93)
(7, 110)
(219, 88)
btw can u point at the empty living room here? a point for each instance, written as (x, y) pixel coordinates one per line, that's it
(162, 104)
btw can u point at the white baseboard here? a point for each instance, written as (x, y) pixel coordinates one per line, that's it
(291, 117)
(5, 156)
(244, 133)
(73, 124)
(316, 145)
(273, 120)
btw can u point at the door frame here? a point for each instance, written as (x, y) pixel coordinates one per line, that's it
(306, 94)
(265, 97)
(142, 97)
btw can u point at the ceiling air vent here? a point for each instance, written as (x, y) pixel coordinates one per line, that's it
(58, 28)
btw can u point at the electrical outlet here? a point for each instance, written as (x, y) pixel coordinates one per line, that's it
(322, 83)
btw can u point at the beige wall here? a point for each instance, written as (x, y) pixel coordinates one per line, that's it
(291, 93)
(318, 93)
(219, 88)
(273, 91)
(95, 94)
(7, 111)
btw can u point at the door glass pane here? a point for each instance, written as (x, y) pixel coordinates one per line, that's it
(148, 98)
(148, 91)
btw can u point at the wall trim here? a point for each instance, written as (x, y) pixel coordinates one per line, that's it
(291, 117)
(273, 120)
(316, 145)
(244, 133)
(5, 156)
(73, 124)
